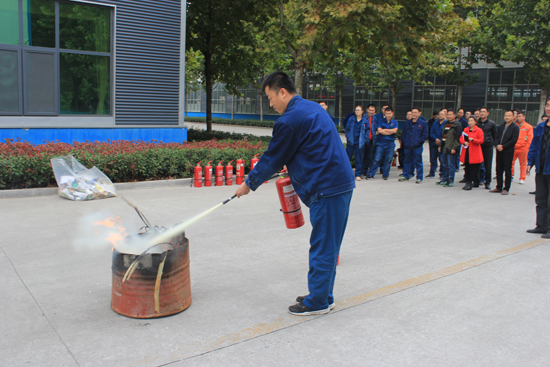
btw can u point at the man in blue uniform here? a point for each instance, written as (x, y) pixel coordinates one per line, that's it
(307, 142)
(385, 144)
(415, 133)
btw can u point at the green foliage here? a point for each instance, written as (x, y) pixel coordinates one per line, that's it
(194, 134)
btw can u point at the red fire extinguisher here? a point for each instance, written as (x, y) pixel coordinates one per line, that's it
(240, 171)
(229, 174)
(219, 174)
(254, 161)
(197, 177)
(290, 203)
(208, 174)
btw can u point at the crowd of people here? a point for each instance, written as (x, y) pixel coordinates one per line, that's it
(454, 137)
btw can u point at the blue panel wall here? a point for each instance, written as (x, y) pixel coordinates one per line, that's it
(39, 136)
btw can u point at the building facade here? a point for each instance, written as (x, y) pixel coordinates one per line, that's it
(105, 64)
(499, 89)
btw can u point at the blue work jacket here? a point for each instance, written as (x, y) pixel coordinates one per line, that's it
(365, 131)
(415, 133)
(436, 132)
(385, 124)
(533, 157)
(307, 142)
(353, 130)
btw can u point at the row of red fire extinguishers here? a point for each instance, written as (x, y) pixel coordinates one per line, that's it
(290, 202)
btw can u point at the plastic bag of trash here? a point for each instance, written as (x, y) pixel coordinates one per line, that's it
(77, 182)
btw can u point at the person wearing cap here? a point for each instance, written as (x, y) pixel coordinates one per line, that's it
(307, 142)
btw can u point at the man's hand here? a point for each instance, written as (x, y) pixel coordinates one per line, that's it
(453, 151)
(242, 190)
(528, 170)
(500, 148)
(471, 139)
(439, 149)
(466, 144)
(437, 141)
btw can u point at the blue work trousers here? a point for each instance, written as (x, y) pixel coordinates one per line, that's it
(458, 158)
(368, 156)
(434, 156)
(354, 150)
(413, 159)
(328, 217)
(383, 157)
(450, 168)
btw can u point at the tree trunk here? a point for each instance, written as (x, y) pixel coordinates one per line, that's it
(299, 76)
(340, 106)
(261, 106)
(543, 97)
(459, 97)
(185, 106)
(233, 107)
(208, 80)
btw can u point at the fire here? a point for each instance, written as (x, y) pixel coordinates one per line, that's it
(116, 238)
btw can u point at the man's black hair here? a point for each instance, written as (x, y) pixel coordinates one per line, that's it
(463, 110)
(416, 108)
(435, 113)
(451, 110)
(371, 105)
(277, 80)
(476, 110)
(441, 110)
(388, 109)
(509, 111)
(483, 108)
(521, 112)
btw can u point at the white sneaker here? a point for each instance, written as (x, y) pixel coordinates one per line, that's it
(521, 182)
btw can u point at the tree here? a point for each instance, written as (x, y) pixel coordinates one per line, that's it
(194, 64)
(518, 31)
(216, 29)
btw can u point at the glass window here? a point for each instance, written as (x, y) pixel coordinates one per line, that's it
(247, 102)
(508, 76)
(194, 101)
(218, 99)
(494, 76)
(39, 23)
(9, 22)
(9, 81)
(39, 80)
(434, 97)
(377, 98)
(85, 84)
(84, 27)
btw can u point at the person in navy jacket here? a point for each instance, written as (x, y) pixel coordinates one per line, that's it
(385, 144)
(435, 143)
(539, 156)
(307, 142)
(415, 133)
(353, 137)
(367, 139)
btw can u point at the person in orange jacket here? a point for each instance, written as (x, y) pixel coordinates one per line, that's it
(471, 139)
(522, 146)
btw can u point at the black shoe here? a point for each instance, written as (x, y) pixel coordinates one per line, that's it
(300, 299)
(467, 187)
(487, 187)
(385, 178)
(430, 176)
(369, 177)
(299, 309)
(475, 185)
(532, 192)
(546, 235)
(462, 181)
(536, 230)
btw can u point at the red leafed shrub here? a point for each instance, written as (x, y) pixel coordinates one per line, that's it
(25, 165)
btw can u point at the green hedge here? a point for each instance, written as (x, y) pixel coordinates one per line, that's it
(24, 165)
(195, 134)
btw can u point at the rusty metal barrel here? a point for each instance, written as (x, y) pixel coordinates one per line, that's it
(137, 296)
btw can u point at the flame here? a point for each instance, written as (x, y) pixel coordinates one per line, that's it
(115, 238)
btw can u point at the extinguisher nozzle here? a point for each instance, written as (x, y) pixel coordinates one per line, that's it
(228, 200)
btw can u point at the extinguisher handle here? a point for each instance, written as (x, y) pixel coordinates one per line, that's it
(228, 200)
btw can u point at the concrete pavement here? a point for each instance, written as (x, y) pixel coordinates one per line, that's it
(428, 276)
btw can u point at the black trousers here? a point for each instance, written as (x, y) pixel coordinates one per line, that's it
(542, 196)
(504, 165)
(487, 162)
(471, 173)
